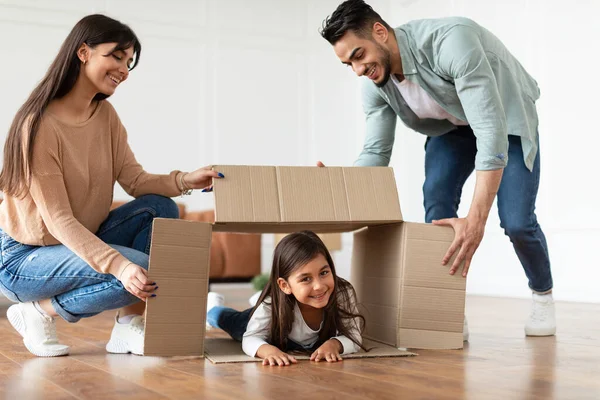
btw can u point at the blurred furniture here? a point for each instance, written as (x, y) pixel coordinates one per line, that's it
(234, 257)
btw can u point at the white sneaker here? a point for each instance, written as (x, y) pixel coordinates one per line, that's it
(127, 338)
(252, 300)
(213, 299)
(38, 331)
(465, 330)
(542, 320)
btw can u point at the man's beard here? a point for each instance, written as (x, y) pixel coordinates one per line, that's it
(386, 63)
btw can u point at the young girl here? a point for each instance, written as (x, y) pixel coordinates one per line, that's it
(63, 253)
(304, 307)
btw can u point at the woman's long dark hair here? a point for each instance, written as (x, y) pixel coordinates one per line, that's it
(292, 252)
(58, 81)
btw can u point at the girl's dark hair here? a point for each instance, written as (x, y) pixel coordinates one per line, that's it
(352, 15)
(58, 81)
(292, 252)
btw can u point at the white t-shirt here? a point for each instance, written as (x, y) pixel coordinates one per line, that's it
(258, 331)
(421, 103)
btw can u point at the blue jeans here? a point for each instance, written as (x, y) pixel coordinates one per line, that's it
(235, 323)
(450, 159)
(33, 273)
(231, 321)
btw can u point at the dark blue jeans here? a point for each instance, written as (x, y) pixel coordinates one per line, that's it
(33, 273)
(450, 159)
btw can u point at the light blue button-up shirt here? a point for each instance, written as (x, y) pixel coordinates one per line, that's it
(470, 74)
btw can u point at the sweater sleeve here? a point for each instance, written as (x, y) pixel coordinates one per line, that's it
(257, 332)
(131, 175)
(50, 196)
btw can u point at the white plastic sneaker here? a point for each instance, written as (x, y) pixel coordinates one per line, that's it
(465, 330)
(127, 338)
(213, 299)
(542, 320)
(38, 331)
(254, 298)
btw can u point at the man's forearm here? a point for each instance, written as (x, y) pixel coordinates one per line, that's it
(486, 188)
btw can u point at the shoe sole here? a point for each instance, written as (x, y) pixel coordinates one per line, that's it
(15, 317)
(540, 333)
(119, 347)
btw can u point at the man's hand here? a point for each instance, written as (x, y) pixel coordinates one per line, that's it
(329, 351)
(467, 237)
(320, 164)
(468, 232)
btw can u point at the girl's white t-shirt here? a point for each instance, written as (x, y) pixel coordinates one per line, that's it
(258, 331)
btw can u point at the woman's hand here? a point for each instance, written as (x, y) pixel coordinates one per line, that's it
(271, 355)
(135, 280)
(201, 178)
(330, 351)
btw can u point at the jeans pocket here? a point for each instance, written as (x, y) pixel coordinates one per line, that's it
(11, 247)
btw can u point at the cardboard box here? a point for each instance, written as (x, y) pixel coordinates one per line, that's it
(333, 241)
(409, 299)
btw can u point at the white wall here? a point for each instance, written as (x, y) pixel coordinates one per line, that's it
(556, 43)
(234, 81)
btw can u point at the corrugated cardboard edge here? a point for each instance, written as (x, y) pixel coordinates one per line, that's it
(223, 350)
(422, 338)
(156, 312)
(232, 216)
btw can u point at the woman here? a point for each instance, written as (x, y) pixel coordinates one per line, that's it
(63, 252)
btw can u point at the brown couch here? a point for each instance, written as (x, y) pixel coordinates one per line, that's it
(233, 256)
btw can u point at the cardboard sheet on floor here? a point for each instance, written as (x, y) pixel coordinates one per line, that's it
(225, 350)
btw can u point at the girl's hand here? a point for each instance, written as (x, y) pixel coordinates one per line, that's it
(135, 280)
(330, 351)
(271, 355)
(201, 178)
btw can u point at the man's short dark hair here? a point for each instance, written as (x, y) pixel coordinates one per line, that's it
(352, 15)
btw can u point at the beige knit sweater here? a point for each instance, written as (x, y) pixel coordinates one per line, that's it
(74, 169)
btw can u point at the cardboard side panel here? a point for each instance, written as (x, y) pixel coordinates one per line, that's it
(381, 333)
(333, 241)
(424, 253)
(435, 340)
(179, 264)
(170, 234)
(432, 309)
(372, 194)
(179, 344)
(338, 192)
(376, 278)
(179, 286)
(247, 194)
(307, 194)
(423, 231)
(381, 315)
(432, 302)
(165, 255)
(287, 227)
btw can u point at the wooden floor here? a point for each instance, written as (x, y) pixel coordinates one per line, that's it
(498, 363)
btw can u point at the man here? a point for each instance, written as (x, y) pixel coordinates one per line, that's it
(455, 82)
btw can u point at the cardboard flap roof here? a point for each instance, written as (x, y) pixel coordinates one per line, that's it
(283, 199)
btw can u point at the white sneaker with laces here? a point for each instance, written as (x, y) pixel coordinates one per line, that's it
(542, 320)
(38, 330)
(465, 330)
(213, 299)
(127, 338)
